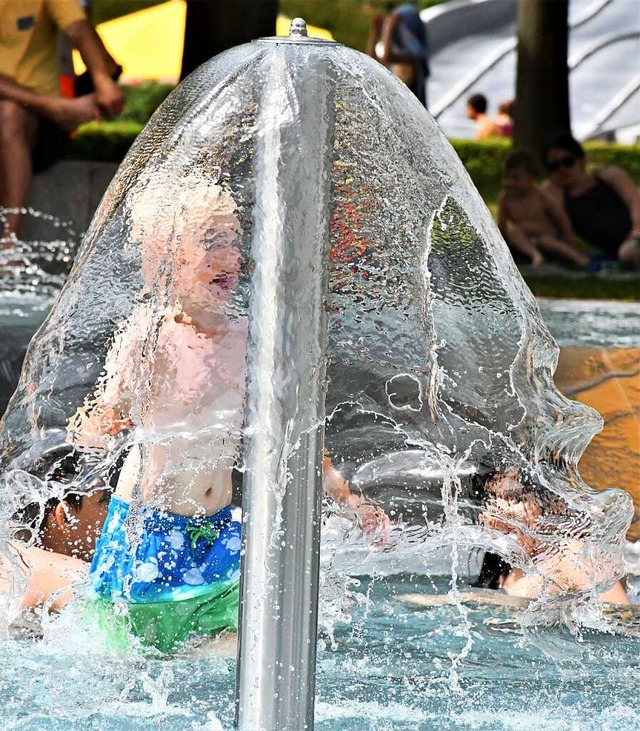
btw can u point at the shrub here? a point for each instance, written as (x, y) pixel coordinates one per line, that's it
(142, 100)
(482, 158)
(104, 141)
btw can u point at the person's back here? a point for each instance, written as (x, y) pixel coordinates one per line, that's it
(410, 35)
(477, 106)
(399, 41)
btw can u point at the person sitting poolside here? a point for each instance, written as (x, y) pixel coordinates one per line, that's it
(529, 218)
(35, 120)
(529, 513)
(604, 208)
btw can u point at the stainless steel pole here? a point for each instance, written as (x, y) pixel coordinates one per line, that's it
(285, 410)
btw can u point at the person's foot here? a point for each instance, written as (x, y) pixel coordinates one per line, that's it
(537, 260)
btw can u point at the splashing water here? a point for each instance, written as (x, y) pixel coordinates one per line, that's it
(440, 374)
(42, 265)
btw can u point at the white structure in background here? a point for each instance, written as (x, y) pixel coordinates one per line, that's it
(473, 46)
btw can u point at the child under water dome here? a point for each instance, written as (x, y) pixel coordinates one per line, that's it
(436, 347)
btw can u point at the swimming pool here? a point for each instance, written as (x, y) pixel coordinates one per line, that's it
(382, 664)
(393, 667)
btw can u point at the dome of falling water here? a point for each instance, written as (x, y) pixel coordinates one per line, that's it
(439, 365)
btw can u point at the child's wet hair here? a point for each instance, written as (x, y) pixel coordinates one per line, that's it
(493, 568)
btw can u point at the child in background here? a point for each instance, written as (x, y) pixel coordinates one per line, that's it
(504, 119)
(477, 106)
(528, 218)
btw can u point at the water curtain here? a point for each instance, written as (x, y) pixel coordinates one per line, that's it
(437, 367)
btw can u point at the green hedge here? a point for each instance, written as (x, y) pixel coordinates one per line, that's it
(483, 159)
(104, 141)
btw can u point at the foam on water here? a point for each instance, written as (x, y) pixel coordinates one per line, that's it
(389, 668)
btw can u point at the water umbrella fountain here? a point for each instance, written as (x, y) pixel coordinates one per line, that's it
(385, 319)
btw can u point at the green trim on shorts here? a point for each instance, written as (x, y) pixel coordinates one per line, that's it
(165, 625)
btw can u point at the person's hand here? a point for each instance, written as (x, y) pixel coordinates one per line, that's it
(71, 113)
(372, 520)
(109, 96)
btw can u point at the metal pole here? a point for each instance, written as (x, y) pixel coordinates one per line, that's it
(286, 387)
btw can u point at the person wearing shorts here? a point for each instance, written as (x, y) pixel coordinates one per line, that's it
(35, 120)
(172, 577)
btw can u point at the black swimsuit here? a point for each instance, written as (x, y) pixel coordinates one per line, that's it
(600, 217)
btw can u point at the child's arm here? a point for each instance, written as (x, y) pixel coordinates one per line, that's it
(105, 413)
(95, 423)
(558, 215)
(50, 577)
(370, 517)
(503, 214)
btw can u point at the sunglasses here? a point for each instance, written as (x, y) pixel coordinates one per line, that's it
(563, 162)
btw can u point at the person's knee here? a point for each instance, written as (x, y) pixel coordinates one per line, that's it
(629, 253)
(515, 233)
(15, 121)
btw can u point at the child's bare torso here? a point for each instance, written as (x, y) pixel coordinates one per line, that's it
(186, 392)
(529, 213)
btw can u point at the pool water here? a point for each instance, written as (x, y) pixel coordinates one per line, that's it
(392, 667)
(383, 666)
(592, 323)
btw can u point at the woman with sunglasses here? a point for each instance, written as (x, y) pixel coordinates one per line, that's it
(604, 209)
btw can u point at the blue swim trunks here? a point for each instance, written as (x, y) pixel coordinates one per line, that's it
(168, 576)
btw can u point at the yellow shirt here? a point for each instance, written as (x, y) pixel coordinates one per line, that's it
(29, 41)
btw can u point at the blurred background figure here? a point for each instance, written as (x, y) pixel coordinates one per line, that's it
(504, 118)
(399, 41)
(529, 218)
(477, 106)
(604, 208)
(35, 120)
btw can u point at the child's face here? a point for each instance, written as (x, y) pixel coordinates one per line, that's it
(194, 239)
(518, 181)
(206, 279)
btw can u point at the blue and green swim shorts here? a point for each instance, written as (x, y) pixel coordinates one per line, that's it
(164, 577)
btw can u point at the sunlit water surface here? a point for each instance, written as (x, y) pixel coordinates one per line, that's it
(392, 667)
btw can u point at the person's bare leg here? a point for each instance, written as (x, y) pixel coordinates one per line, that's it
(550, 243)
(18, 127)
(629, 252)
(519, 241)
